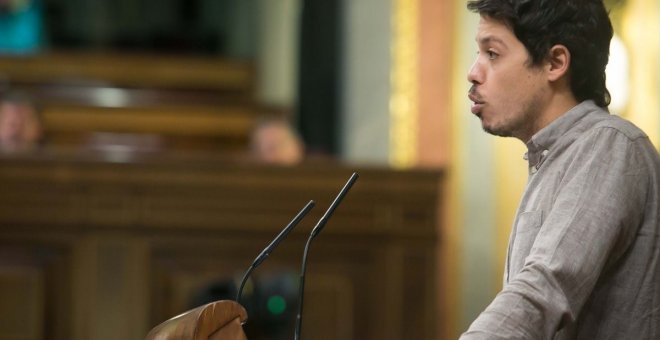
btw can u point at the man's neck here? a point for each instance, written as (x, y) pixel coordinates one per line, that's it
(558, 104)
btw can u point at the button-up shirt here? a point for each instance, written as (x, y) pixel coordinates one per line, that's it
(584, 252)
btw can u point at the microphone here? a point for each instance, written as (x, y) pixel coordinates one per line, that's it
(273, 244)
(315, 232)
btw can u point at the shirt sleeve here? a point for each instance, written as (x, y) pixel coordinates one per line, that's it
(594, 218)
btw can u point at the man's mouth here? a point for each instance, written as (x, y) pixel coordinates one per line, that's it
(477, 103)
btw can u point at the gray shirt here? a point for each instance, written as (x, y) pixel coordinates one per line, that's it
(584, 253)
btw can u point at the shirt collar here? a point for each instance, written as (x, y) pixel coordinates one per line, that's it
(538, 147)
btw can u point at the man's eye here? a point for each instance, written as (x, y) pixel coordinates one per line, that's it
(491, 55)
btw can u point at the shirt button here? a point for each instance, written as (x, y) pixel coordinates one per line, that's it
(545, 153)
(532, 170)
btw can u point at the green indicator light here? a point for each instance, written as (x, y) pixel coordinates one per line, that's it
(276, 304)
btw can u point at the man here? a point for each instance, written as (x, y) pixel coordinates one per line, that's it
(20, 126)
(274, 141)
(584, 254)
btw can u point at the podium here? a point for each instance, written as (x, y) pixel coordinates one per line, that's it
(140, 239)
(220, 320)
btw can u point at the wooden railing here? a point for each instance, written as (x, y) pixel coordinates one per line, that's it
(130, 70)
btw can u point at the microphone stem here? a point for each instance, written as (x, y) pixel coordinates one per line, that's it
(243, 281)
(315, 232)
(301, 289)
(279, 238)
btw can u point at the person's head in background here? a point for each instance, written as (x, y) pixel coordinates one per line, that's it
(274, 141)
(20, 126)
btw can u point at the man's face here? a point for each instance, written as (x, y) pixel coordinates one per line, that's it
(275, 143)
(508, 94)
(12, 122)
(18, 124)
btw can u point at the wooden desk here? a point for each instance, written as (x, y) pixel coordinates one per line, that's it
(189, 103)
(92, 249)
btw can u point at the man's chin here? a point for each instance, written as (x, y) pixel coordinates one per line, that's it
(495, 131)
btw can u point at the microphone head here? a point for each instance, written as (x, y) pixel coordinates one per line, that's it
(319, 226)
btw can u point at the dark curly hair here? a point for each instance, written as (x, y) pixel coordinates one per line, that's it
(583, 26)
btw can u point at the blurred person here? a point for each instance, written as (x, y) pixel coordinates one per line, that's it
(274, 141)
(20, 125)
(584, 252)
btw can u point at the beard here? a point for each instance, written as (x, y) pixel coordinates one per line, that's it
(520, 124)
(497, 132)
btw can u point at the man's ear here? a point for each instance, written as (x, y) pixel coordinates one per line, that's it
(559, 61)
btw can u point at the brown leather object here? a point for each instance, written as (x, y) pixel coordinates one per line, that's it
(220, 320)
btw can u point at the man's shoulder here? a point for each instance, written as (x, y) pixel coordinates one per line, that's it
(615, 132)
(616, 124)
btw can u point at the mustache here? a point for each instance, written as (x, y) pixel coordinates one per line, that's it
(474, 95)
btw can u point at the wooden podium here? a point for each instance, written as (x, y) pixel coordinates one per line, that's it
(108, 250)
(220, 320)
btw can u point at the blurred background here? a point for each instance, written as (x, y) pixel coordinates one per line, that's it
(150, 149)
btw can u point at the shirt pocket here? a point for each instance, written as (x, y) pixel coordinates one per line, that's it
(527, 229)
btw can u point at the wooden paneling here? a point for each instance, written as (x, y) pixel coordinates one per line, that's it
(34, 295)
(154, 128)
(129, 70)
(115, 248)
(166, 120)
(22, 301)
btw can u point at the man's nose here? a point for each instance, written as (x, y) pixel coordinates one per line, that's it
(475, 75)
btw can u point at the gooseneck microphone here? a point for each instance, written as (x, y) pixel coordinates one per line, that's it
(273, 244)
(315, 232)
